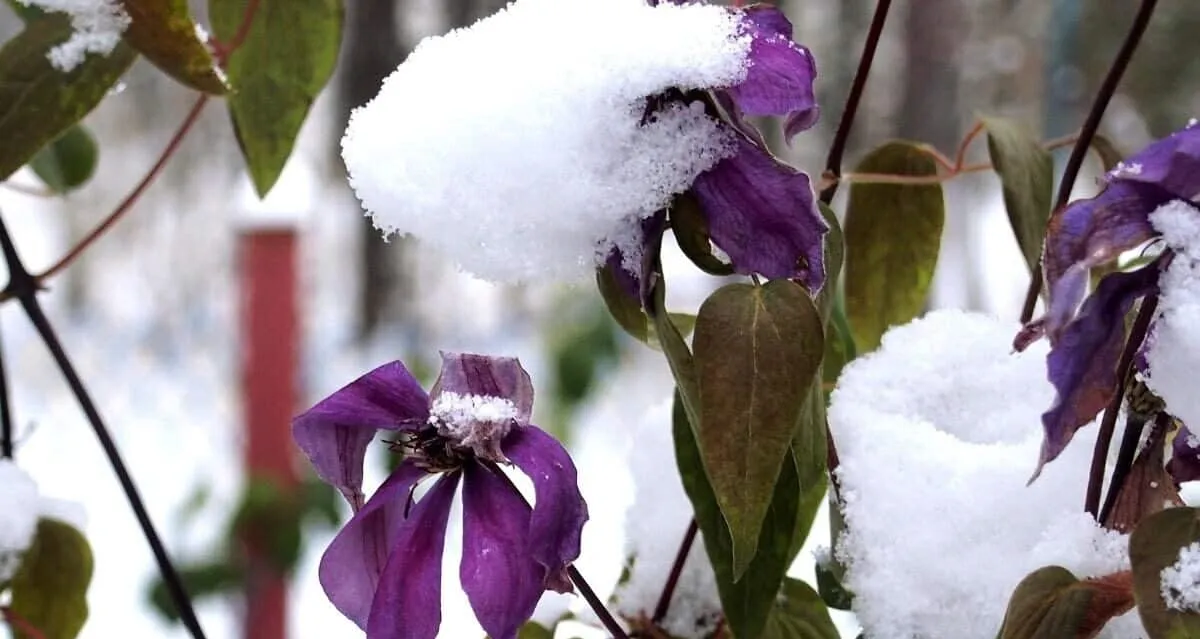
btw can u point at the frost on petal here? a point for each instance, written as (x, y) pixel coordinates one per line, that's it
(503, 377)
(1082, 363)
(781, 73)
(1092, 232)
(1184, 464)
(762, 213)
(351, 566)
(408, 602)
(559, 510)
(502, 580)
(1172, 164)
(334, 434)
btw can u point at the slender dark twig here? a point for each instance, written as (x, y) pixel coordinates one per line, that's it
(1125, 456)
(685, 547)
(6, 426)
(1090, 125)
(597, 606)
(833, 164)
(24, 287)
(585, 589)
(1141, 324)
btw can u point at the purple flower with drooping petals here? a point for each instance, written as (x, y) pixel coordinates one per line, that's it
(759, 211)
(383, 569)
(1086, 341)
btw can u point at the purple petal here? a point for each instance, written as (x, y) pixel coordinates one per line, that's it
(352, 563)
(408, 602)
(334, 434)
(1171, 164)
(501, 579)
(780, 77)
(1065, 296)
(1088, 233)
(559, 510)
(632, 282)
(468, 374)
(1082, 364)
(762, 213)
(1185, 456)
(734, 116)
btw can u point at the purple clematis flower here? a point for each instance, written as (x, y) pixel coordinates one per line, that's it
(1086, 341)
(383, 569)
(759, 211)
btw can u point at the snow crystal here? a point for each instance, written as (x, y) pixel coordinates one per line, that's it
(1181, 580)
(1126, 170)
(19, 509)
(474, 421)
(655, 525)
(453, 408)
(938, 432)
(517, 146)
(97, 26)
(1174, 352)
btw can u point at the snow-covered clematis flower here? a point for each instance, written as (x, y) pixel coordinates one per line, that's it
(759, 211)
(1086, 341)
(383, 569)
(558, 149)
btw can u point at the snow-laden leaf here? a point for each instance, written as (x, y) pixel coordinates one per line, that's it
(1026, 173)
(757, 352)
(284, 62)
(38, 103)
(50, 589)
(893, 235)
(799, 613)
(1153, 547)
(747, 601)
(164, 32)
(1050, 603)
(69, 162)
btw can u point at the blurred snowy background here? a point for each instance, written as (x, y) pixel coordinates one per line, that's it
(150, 313)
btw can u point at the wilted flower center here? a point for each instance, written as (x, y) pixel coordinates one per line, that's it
(473, 422)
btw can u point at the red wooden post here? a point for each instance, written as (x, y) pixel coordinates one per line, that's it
(270, 343)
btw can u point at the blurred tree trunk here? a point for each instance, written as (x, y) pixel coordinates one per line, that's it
(461, 13)
(372, 50)
(929, 108)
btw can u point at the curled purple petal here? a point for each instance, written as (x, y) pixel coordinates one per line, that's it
(1029, 333)
(1082, 364)
(351, 566)
(502, 581)
(779, 80)
(408, 602)
(762, 213)
(1088, 233)
(1065, 296)
(1185, 456)
(334, 434)
(468, 374)
(632, 282)
(1172, 164)
(559, 510)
